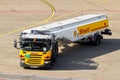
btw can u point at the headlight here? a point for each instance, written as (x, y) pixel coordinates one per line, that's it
(47, 62)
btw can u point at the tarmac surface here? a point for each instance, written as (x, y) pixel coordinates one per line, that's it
(76, 62)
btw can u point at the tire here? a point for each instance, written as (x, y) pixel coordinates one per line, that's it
(49, 66)
(26, 67)
(97, 40)
(56, 49)
(53, 60)
(56, 52)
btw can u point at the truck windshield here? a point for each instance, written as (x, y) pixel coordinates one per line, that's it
(36, 46)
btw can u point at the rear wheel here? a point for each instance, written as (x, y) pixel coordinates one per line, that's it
(96, 39)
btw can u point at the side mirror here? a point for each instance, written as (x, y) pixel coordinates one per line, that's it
(15, 44)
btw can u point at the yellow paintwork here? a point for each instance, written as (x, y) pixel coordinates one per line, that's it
(42, 58)
(85, 29)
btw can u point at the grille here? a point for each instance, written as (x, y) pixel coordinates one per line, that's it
(35, 59)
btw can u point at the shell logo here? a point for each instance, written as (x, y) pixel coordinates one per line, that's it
(75, 33)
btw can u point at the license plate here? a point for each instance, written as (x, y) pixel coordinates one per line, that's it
(34, 66)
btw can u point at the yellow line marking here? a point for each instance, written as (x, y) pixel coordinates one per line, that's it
(53, 10)
(87, 7)
(36, 24)
(50, 18)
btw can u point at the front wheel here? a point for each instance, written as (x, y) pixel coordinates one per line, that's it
(56, 49)
(24, 65)
(49, 66)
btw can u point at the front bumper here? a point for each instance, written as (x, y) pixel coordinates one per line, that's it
(46, 64)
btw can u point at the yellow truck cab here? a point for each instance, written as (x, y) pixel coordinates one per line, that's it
(37, 50)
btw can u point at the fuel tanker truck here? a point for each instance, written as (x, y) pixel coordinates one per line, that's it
(39, 46)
